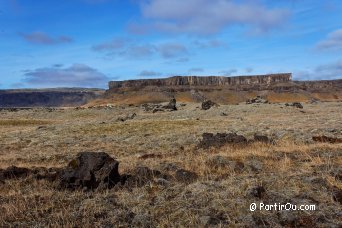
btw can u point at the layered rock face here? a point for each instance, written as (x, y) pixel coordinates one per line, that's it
(204, 81)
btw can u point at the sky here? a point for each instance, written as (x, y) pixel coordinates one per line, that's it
(86, 43)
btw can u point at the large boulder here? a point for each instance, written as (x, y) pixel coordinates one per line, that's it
(171, 105)
(90, 170)
(221, 139)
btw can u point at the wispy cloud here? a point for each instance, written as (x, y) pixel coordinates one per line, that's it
(126, 48)
(207, 16)
(322, 72)
(77, 75)
(113, 45)
(171, 50)
(332, 42)
(44, 38)
(212, 43)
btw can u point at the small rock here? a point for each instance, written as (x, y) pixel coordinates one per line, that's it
(207, 104)
(171, 105)
(326, 139)
(186, 176)
(221, 139)
(257, 100)
(258, 192)
(149, 156)
(295, 104)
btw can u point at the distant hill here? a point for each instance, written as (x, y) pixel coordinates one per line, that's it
(54, 97)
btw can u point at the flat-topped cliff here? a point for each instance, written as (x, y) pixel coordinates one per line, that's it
(204, 81)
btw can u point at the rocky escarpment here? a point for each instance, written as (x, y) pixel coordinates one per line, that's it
(47, 98)
(204, 81)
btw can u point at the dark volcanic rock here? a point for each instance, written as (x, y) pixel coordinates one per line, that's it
(171, 105)
(221, 139)
(90, 170)
(185, 176)
(13, 172)
(258, 192)
(206, 105)
(326, 139)
(295, 104)
(257, 100)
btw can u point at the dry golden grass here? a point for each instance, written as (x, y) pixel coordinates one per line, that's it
(23, 122)
(293, 170)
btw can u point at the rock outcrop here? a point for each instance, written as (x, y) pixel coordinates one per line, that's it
(90, 170)
(203, 81)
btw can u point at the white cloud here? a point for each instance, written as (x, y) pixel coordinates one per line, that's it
(78, 75)
(207, 16)
(332, 42)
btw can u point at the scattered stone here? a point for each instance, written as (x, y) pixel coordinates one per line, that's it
(207, 104)
(185, 176)
(221, 139)
(171, 106)
(326, 139)
(223, 114)
(258, 192)
(148, 156)
(127, 117)
(90, 170)
(295, 104)
(257, 100)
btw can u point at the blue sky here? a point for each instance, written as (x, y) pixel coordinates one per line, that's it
(85, 43)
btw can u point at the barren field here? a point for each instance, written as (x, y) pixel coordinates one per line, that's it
(219, 183)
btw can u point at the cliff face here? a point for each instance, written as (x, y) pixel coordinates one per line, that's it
(203, 81)
(53, 98)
